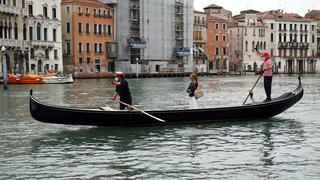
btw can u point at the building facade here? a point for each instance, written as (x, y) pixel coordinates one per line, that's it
(43, 36)
(200, 57)
(217, 40)
(315, 16)
(154, 36)
(247, 32)
(292, 42)
(88, 38)
(12, 22)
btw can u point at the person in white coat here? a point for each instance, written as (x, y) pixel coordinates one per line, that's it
(193, 102)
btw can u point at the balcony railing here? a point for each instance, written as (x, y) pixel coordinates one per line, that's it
(10, 43)
(293, 45)
(9, 9)
(43, 43)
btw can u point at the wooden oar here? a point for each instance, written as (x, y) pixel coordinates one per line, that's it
(156, 118)
(250, 92)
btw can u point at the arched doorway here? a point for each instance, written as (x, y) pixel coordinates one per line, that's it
(39, 67)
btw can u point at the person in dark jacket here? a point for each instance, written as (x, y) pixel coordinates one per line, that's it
(122, 89)
(193, 102)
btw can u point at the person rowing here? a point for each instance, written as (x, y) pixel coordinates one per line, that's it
(122, 89)
(267, 74)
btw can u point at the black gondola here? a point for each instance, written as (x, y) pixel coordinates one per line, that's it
(99, 117)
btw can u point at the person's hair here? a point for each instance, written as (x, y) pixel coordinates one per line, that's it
(194, 76)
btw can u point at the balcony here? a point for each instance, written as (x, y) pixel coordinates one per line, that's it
(45, 44)
(304, 45)
(282, 30)
(10, 43)
(9, 9)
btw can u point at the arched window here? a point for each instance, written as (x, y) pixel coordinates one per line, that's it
(253, 45)
(264, 45)
(24, 32)
(301, 37)
(271, 37)
(295, 38)
(280, 37)
(246, 45)
(306, 38)
(1, 30)
(15, 31)
(261, 46)
(38, 31)
(284, 37)
(290, 37)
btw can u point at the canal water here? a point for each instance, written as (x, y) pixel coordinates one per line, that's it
(284, 147)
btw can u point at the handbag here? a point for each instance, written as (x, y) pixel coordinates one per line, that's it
(198, 93)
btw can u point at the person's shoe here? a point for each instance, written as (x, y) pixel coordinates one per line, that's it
(267, 100)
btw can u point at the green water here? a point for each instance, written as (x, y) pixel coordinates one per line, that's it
(284, 147)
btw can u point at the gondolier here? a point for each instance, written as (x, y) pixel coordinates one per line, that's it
(267, 74)
(122, 89)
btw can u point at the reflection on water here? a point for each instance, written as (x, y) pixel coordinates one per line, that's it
(285, 146)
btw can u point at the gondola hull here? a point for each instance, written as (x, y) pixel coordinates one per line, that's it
(99, 117)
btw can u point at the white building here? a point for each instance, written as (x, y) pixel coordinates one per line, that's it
(246, 33)
(11, 35)
(156, 34)
(44, 35)
(292, 42)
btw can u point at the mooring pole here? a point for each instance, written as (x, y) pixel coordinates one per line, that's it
(4, 68)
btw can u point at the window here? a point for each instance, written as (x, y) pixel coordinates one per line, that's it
(217, 37)
(301, 38)
(280, 26)
(30, 33)
(87, 11)
(55, 54)
(88, 48)
(224, 26)
(224, 51)
(271, 37)
(80, 48)
(95, 29)
(30, 9)
(217, 26)
(47, 53)
(14, 3)
(54, 35)
(224, 38)
(312, 40)
(68, 27)
(217, 51)
(38, 31)
(100, 29)
(306, 27)
(253, 45)
(245, 31)
(56, 67)
(87, 28)
(45, 12)
(23, 4)
(68, 10)
(95, 47)
(305, 38)
(88, 60)
(271, 25)
(100, 48)
(80, 60)
(68, 48)
(285, 27)
(109, 30)
(54, 13)
(254, 31)
(246, 45)
(97, 65)
(80, 28)
(284, 37)
(32, 53)
(301, 27)
(15, 31)
(24, 32)
(312, 27)
(105, 29)
(79, 11)
(45, 34)
(264, 45)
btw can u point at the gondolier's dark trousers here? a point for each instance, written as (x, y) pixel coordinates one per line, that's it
(125, 100)
(267, 86)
